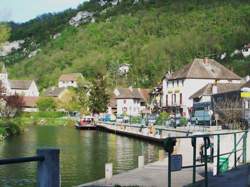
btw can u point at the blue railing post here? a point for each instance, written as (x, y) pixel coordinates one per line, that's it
(48, 170)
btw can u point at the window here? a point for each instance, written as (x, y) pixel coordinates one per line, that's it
(174, 98)
(166, 100)
(180, 98)
(177, 82)
(124, 101)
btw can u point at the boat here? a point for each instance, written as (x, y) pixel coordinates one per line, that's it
(86, 123)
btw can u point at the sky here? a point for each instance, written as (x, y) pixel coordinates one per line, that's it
(24, 10)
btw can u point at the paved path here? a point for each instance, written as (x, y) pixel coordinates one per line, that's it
(155, 175)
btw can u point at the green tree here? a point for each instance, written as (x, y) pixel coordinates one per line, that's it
(69, 101)
(83, 90)
(4, 33)
(163, 117)
(98, 95)
(46, 104)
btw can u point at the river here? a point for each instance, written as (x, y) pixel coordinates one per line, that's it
(83, 154)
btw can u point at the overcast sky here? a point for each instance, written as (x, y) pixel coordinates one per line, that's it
(24, 10)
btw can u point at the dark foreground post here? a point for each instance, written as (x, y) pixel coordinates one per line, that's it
(48, 170)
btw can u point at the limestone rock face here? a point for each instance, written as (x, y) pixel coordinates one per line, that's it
(9, 47)
(34, 53)
(81, 18)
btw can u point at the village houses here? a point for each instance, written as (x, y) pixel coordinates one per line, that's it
(20, 87)
(69, 80)
(129, 101)
(177, 87)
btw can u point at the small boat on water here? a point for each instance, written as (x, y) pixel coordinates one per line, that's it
(86, 122)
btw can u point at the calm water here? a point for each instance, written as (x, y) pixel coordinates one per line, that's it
(83, 154)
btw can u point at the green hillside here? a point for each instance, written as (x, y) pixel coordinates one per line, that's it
(153, 37)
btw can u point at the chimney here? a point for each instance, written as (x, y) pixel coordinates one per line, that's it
(214, 88)
(205, 60)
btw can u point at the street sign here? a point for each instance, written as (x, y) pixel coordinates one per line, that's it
(245, 94)
(176, 162)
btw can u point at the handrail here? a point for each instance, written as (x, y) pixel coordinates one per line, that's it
(243, 139)
(21, 160)
(48, 170)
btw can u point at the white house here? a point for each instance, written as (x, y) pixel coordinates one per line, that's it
(131, 101)
(246, 50)
(180, 85)
(20, 87)
(69, 80)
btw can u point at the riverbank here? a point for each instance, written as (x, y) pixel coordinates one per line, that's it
(16, 125)
(45, 118)
(9, 128)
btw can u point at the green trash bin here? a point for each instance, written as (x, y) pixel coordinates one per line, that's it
(223, 163)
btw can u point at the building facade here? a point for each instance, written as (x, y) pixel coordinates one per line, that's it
(20, 87)
(131, 101)
(69, 80)
(180, 85)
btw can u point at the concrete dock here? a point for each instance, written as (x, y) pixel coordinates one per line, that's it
(155, 175)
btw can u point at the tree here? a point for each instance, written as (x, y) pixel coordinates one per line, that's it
(14, 105)
(98, 95)
(4, 33)
(46, 104)
(69, 101)
(9, 105)
(83, 90)
(230, 112)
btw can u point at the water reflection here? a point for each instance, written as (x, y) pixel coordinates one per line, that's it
(83, 154)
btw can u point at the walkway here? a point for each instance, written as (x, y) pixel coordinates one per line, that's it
(155, 175)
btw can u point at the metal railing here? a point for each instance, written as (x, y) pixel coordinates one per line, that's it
(206, 158)
(48, 174)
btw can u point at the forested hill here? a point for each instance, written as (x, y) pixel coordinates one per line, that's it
(152, 36)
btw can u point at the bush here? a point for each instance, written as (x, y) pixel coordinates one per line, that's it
(46, 104)
(8, 128)
(135, 119)
(163, 117)
(183, 121)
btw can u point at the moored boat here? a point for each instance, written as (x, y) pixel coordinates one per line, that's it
(87, 122)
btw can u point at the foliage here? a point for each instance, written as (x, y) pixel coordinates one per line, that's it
(10, 106)
(4, 33)
(162, 118)
(8, 128)
(82, 92)
(69, 101)
(46, 104)
(230, 112)
(183, 121)
(152, 36)
(43, 114)
(136, 119)
(99, 98)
